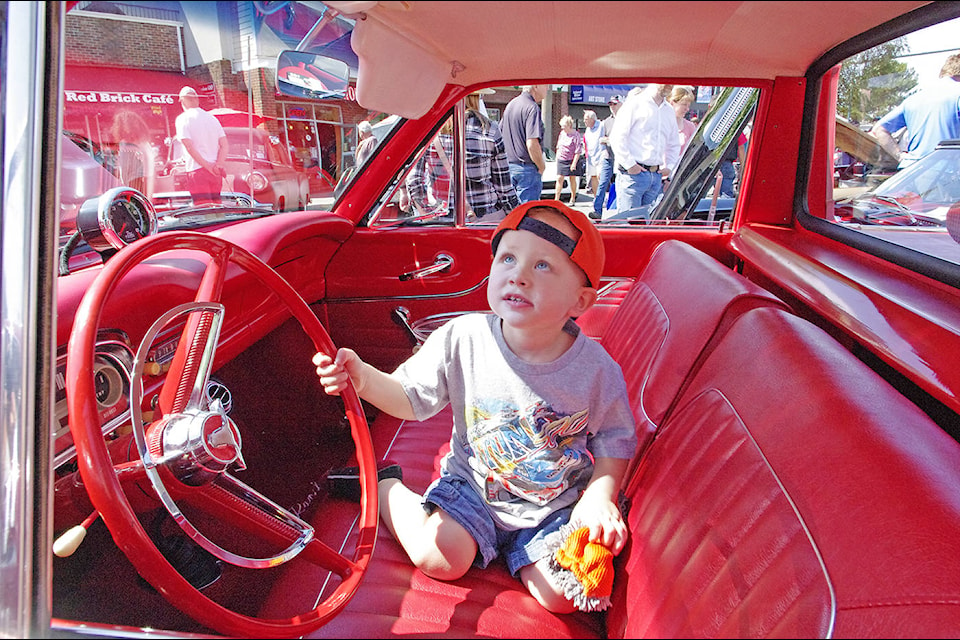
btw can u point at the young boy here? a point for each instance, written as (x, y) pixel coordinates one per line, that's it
(542, 429)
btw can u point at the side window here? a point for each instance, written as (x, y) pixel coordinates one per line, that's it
(713, 126)
(429, 184)
(424, 193)
(896, 147)
(274, 151)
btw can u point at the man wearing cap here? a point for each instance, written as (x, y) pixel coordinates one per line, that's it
(542, 426)
(522, 131)
(606, 159)
(646, 143)
(205, 144)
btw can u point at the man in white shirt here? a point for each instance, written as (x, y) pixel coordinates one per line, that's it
(205, 144)
(591, 140)
(646, 144)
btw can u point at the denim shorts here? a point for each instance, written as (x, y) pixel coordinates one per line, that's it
(519, 548)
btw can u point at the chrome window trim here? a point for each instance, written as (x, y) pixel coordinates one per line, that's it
(24, 468)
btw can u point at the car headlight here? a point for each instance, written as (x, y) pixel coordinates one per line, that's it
(257, 181)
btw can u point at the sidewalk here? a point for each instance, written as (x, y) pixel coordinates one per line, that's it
(584, 202)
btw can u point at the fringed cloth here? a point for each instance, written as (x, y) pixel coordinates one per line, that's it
(582, 568)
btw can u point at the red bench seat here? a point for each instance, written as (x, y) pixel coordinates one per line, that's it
(777, 495)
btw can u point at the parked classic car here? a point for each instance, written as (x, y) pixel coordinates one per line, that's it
(918, 196)
(165, 441)
(261, 166)
(257, 165)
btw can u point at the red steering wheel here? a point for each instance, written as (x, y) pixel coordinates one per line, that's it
(188, 448)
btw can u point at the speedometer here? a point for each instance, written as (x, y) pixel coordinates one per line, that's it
(109, 385)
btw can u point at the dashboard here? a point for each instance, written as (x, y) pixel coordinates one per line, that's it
(113, 367)
(113, 371)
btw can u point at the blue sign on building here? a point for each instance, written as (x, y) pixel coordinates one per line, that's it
(597, 93)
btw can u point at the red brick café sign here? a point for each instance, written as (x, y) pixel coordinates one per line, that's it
(119, 97)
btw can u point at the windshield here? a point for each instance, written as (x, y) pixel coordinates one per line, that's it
(180, 101)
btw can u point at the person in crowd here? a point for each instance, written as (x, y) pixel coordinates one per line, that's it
(136, 157)
(490, 194)
(205, 145)
(366, 141)
(681, 98)
(730, 166)
(522, 130)
(430, 183)
(516, 378)
(593, 131)
(930, 115)
(605, 185)
(569, 152)
(646, 143)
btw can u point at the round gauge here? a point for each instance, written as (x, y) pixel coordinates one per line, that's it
(119, 217)
(108, 384)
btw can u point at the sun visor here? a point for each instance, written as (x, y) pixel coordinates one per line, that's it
(395, 75)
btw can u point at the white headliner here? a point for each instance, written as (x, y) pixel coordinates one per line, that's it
(409, 50)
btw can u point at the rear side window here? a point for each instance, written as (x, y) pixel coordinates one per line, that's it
(896, 151)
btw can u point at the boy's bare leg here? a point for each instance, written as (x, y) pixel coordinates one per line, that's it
(435, 542)
(537, 578)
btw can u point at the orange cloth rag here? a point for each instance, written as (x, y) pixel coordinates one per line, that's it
(590, 562)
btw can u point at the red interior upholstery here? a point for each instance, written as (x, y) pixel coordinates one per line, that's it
(681, 301)
(594, 322)
(781, 498)
(397, 599)
(777, 500)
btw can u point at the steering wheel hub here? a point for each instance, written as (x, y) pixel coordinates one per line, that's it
(199, 446)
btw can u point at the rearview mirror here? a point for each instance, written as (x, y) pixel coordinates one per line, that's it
(307, 75)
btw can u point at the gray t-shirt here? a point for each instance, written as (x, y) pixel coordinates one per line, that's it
(526, 434)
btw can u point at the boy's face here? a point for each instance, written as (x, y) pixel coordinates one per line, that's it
(533, 284)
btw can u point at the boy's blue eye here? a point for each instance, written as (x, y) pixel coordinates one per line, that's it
(507, 259)
(543, 265)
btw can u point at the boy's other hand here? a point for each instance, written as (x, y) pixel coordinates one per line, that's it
(604, 521)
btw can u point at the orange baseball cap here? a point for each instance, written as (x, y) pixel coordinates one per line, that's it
(587, 252)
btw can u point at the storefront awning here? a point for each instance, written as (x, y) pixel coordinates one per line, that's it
(118, 86)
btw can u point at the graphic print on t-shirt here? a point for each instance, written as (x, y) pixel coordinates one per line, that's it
(534, 453)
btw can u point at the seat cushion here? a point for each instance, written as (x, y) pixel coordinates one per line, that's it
(717, 548)
(396, 599)
(681, 303)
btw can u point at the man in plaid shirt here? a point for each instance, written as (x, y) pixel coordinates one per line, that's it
(490, 194)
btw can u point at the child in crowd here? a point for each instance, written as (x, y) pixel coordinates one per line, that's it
(542, 428)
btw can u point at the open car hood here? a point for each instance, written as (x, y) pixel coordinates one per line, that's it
(863, 146)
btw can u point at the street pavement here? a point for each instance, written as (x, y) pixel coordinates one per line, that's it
(584, 201)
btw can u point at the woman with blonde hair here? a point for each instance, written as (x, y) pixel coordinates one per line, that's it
(569, 150)
(681, 98)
